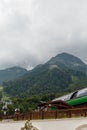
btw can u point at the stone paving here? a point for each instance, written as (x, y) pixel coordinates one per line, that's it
(59, 124)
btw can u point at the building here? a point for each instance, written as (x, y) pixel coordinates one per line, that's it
(76, 99)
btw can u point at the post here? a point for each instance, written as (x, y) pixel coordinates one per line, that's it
(17, 112)
(56, 114)
(42, 115)
(30, 115)
(69, 113)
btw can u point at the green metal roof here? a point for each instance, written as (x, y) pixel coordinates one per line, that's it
(77, 101)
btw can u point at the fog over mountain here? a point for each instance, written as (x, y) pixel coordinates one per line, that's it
(32, 31)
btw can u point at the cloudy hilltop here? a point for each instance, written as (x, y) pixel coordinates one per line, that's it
(32, 31)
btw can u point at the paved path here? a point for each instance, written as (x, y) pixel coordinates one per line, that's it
(59, 124)
(11, 125)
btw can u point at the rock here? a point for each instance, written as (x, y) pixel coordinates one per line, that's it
(28, 126)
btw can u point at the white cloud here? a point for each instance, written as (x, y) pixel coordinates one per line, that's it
(32, 31)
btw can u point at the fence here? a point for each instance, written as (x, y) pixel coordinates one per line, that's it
(66, 113)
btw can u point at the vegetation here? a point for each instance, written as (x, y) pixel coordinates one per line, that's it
(25, 104)
(11, 74)
(51, 81)
(61, 75)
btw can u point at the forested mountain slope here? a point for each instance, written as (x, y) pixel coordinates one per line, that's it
(62, 74)
(11, 74)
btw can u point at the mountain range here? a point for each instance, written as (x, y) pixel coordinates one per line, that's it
(63, 73)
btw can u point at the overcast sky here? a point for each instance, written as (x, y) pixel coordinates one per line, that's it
(33, 31)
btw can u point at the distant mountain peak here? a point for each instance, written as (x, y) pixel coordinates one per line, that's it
(15, 68)
(67, 60)
(66, 55)
(11, 73)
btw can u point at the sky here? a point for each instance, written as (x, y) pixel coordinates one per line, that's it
(33, 31)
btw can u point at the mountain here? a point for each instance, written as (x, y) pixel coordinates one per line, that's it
(67, 60)
(11, 74)
(63, 61)
(70, 61)
(61, 74)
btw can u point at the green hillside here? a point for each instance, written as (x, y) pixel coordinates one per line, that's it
(57, 76)
(11, 74)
